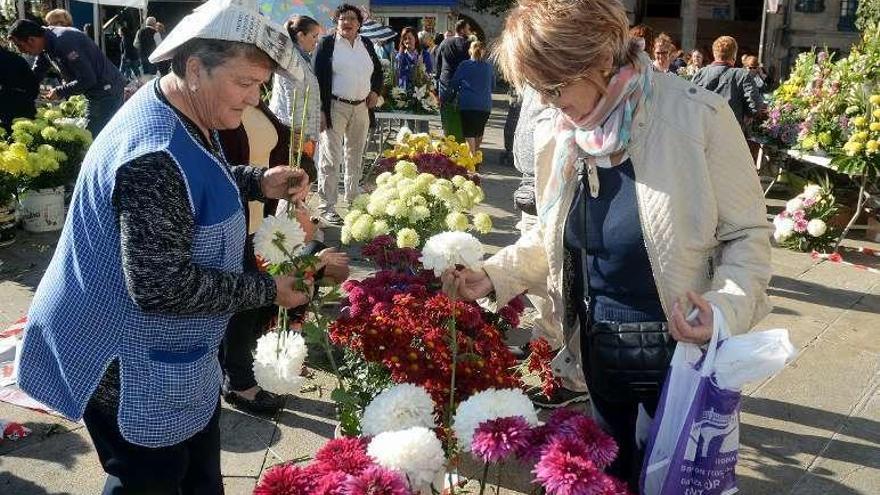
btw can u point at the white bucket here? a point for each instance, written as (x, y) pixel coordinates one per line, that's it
(43, 210)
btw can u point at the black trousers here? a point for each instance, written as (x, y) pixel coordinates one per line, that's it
(189, 467)
(245, 327)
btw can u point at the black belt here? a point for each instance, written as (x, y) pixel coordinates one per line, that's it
(350, 102)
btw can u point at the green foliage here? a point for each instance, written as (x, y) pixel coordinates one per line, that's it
(868, 14)
(494, 7)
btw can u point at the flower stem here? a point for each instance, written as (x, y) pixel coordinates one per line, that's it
(483, 478)
(453, 330)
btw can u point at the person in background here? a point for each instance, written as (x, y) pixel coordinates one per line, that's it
(751, 64)
(304, 31)
(736, 85)
(663, 48)
(59, 17)
(695, 63)
(621, 238)
(86, 70)
(644, 36)
(163, 67)
(426, 45)
(408, 58)
(678, 61)
(145, 40)
(129, 60)
(473, 82)
(89, 30)
(450, 54)
(350, 77)
(19, 88)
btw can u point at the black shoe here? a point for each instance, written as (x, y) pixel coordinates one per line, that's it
(520, 352)
(560, 398)
(264, 403)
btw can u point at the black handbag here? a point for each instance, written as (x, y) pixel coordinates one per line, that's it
(623, 362)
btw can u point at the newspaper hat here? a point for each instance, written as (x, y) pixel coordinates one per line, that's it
(232, 20)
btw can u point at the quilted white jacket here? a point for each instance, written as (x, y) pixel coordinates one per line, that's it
(701, 207)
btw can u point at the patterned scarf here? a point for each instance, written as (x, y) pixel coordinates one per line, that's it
(604, 132)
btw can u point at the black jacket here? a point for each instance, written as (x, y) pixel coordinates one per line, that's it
(18, 88)
(323, 65)
(734, 84)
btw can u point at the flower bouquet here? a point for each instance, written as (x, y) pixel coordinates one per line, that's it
(420, 98)
(413, 206)
(403, 455)
(441, 156)
(803, 225)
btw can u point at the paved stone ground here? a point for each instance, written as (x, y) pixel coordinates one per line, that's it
(813, 429)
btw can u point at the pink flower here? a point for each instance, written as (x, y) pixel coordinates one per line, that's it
(599, 446)
(562, 416)
(800, 226)
(497, 439)
(285, 479)
(376, 480)
(618, 487)
(332, 483)
(347, 455)
(809, 202)
(561, 472)
(538, 437)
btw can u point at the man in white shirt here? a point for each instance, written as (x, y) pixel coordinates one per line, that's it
(350, 77)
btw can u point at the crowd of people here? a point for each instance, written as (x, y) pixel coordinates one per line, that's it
(157, 252)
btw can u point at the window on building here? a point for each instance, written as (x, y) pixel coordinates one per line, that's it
(810, 6)
(847, 20)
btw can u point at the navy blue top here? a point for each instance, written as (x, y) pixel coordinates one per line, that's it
(608, 230)
(473, 81)
(84, 67)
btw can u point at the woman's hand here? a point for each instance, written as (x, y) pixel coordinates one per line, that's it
(287, 183)
(304, 219)
(697, 331)
(335, 264)
(466, 284)
(286, 295)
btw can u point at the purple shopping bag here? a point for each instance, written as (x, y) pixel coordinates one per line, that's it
(694, 439)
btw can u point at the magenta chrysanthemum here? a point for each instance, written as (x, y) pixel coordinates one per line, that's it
(348, 455)
(600, 446)
(618, 487)
(376, 480)
(285, 479)
(562, 416)
(332, 483)
(561, 472)
(497, 439)
(537, 439)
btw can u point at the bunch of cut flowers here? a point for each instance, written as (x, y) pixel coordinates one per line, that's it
(413, 206)
(400, 452)
(803, 225)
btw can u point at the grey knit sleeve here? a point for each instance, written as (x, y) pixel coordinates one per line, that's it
(249, 180)
(156, 227)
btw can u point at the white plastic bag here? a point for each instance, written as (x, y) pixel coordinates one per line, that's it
(752, 357)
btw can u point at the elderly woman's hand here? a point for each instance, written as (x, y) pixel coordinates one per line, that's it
(467, 284)
(286, 295)
(699, 330)
(287, 183)
(335, 264)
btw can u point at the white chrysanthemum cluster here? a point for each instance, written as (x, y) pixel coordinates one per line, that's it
(487, 405)
(412, 206)
(278, 362)
(415, 452)
(795, 219)
(275, 233)
(447, 249)
(400, 407)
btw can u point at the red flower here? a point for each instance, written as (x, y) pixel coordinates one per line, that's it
(332, 483)
(286, 479)
(539, 363)
(346, 455)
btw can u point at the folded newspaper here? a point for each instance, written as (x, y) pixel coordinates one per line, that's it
(232, 20)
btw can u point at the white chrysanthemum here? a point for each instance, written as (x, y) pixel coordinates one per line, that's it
(414, 452)
(487, 405)
(380, 227)
(408, 238)
(457, 221)
(376, 207)
(441, 190)
(817, 227)
(285, 231)
(447, 249)
(794, 205)
(400, 407)
(362, 229)
(419, 213)
(382, 178)
(352, 217)
(459, 181)
(474, 191)
(417, 200)
(361, 202)
(345, 235)
(784, 228)
(464, 199)
(278, 362)
(407, 169)
(483, 223)
(404, 132)
(404, 183)
(424, 181)
(396, 208)
(812, 191)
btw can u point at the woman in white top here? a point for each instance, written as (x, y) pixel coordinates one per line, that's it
(304, 31)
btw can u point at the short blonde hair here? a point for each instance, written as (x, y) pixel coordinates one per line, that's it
(59, 17)
(724, 48)
(664, 40)
(551, 42)
(477, 50)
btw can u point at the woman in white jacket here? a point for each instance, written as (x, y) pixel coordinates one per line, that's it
(649, 207)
